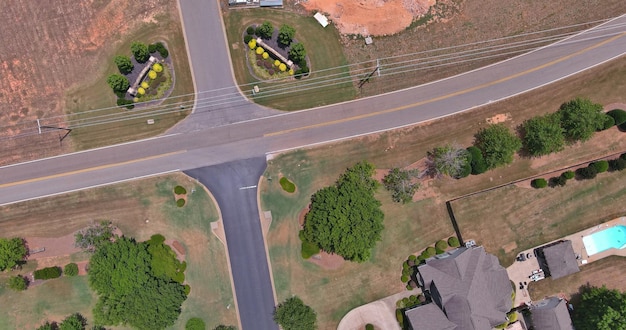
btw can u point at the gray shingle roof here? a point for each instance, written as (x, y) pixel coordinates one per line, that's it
(429, 317)
(561, 259)
(470, 286)
(551, 314)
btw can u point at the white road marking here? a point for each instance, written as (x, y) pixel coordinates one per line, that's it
(248, 187)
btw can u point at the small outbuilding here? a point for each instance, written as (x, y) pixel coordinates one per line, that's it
(558, 259)
(551, 314)
(321, 19)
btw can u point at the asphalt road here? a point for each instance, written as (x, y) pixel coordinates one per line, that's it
(234, 187)
(241, 130)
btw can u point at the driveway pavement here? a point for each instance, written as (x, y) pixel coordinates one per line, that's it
(380, 313)
(234, 186)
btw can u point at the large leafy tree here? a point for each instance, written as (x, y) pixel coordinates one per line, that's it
(498, 145)
(600, 309)
(118, 83)
(266, 30)
(17, 283)
(543, 135)
(286, 34)
(297, 53)
(129, 291)
(580, 118)
(73, 322)
(452, 160)
(293, 314)
(400, 183)
(345, 218)
(12, 251)
(140, 51)
(124, 64)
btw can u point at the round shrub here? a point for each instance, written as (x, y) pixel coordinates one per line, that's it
(441, 245)
(152, 74)
(454, 242)
(141, 91)
(412, 257)
(17, 283)
(478, 162)
(259, 50)
(601, 166)
(187, 289)
(252, 44)
(180, 202)
(617, 164)
(618, 115)
(588, 172)
(157, 67)
(70, 269)
(404, 278)
(369, 326)
(282, 67)
(145, 84)
(195, 323)
(152, 48)
(180, 190)
(250, 30)
(568, 175)
(431, 251)
(247, 38)
(291, 72)
(276, 62)
(265, 55)
(439, 251)
(162, 50)
(271, 72)
(558, 181)
(259, 63)
(608, 122)
(539, 183)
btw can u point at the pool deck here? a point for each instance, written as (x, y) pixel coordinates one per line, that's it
(520, 270)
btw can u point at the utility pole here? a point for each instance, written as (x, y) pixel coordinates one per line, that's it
(369, 75)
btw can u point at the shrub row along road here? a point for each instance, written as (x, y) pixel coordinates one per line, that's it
(200, 141)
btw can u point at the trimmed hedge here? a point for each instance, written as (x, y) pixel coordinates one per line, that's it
(617, 164)
(568, 174)
(250, 30)
(70, 269)
(600, 166)
(180, 202)
(558, 181)
(608, 122)
(618, 115)
(441, 245)
(369, 326)
(180, 190)
(287, 185)
(247, 38)
(539, 183)
(431, 251)
(48, 273)
(588, 172)
(453, 242)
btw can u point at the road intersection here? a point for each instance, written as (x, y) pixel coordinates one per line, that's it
(230, 135)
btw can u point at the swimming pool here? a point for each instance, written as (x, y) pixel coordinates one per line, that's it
(610, 238)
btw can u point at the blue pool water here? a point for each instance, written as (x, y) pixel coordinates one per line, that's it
(610, 238)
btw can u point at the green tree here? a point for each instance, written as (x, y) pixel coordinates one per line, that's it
(124, 64)
(70, 269)
(400, 183)
(600, 309)
(498, 145)
(293, 314)
(449, 160)
(93, 236)
(140, 51)
(73, 322)
(12, 251)
(48, 326)
(543, 135)
(118, 83)
(225, 327)
(195, 323)
(580, 118)
(297, 53)
(286, 34)
(266, 30)
(17, 283)
(345, 218)
(478, 162)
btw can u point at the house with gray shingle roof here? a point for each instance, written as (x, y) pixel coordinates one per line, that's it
(551, 314)
(467, 286)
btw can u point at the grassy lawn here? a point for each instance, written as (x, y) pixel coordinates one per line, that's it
(139, 209)
(322, 46)
(517, 217)
(608, 271)
(408, 229)
(96, 94)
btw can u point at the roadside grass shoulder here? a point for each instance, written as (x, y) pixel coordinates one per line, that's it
(323, 49)
(140, 209)
(95, 94)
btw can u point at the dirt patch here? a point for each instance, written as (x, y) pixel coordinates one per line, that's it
(178, 248)
(327, 261)
(54, 247)
(371, 17)
(499, 118)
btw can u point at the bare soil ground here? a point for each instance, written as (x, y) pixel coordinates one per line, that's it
(49, 48)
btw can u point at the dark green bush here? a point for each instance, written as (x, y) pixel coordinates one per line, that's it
(404, 278)
(309, 249)
(431, 251)
(618, 115)
(568, 174)
(287, 185)
(369, 327)
(477, 163)
(250, 30)
(122, 102)
(70, 269)
(412, 257)
(617, 164)
(180, 190)
(558, 181)
(17, 283)
(180, 202)
(441, 245)
(539, 183)
(588, 172)
(600, 166)
(623, 156)
(187, 289)
(247, 38)
(162, 50)
(453, 242)
(152, 48)
(608, 122)
(47, 273)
